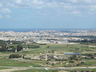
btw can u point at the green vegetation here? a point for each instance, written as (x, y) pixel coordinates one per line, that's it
(15, 56)
(46, 55)
(84, 70)
(1, 68)
(37, 71)
(10, 62)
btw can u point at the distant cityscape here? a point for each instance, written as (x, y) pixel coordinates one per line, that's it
(48, 36)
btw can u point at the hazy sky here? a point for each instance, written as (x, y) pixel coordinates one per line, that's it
(47, 14)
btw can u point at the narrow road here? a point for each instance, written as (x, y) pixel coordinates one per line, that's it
(11, 69)
(14, 69)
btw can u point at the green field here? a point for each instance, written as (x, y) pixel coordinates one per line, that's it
(58, 48)
(36, 71)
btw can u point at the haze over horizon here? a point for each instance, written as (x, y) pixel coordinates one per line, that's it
(53, 14)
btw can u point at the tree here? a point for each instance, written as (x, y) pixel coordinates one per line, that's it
(34, 46)
(15, 56)
(3, 48)
(19, 48)
(48, 46)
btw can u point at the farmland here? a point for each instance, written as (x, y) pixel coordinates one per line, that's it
(35, 56)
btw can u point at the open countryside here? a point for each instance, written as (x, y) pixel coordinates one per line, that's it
(66, 54)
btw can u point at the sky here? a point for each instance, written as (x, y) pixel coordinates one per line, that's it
(28, 14)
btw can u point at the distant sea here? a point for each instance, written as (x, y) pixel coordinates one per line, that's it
(28, 30)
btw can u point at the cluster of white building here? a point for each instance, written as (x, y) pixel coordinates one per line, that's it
(45, 36)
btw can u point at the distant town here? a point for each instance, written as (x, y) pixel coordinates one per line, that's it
(49, 36)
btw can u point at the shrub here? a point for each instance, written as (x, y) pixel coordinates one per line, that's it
(15, 56)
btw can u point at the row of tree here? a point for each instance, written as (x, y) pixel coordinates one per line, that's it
(13, 48)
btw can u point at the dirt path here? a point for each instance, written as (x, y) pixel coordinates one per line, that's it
(13, 69)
